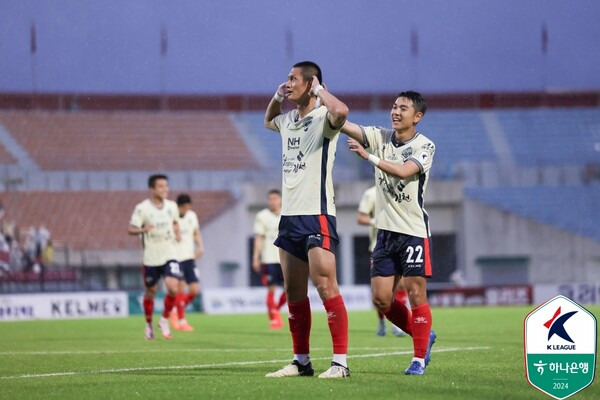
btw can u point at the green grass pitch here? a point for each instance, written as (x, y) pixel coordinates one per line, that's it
(478, 355)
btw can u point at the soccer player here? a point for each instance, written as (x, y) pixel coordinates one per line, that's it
(156, 221)
(189, 249)
(366, 216)
(402, 157)
(307, 236)
(265, 255)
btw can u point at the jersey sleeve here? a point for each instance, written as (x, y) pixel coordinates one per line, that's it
(137, 219)
(424, 156)
(196, 223)
(371, 138)
(365, 206)
(278, 121)
(259, 226)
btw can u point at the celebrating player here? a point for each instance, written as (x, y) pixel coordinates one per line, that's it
(156, 221)
(265, 256)
(307, 237)
(189, 249)
(402, 158)
(366, 216)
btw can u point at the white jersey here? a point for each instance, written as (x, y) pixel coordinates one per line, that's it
(367, 206)
(266, 224)
(308, 147)
(399, 204)
(159, 243)
(188, 226)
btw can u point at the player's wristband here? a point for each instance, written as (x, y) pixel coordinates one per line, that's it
(373, 159)
(278, 98)
(372, 221)
(316, 90)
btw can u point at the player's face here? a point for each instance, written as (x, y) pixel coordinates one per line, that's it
(184, 208)
(403, 114)
(296, 87)
(160, 189)
(274, 202)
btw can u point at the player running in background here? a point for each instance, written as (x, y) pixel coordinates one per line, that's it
(402, 158)
(156, 221)
(366, 216)
(265, 255)
(307, 237)
(189, 249)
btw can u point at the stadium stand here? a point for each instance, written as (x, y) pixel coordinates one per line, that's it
(5, 156)
(125, 140)
(553, 136)
(570, 208)
(96, 219)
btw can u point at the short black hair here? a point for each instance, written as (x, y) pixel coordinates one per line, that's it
(310, 69)
(417, 100)
(183, 198)
(274, 191)
(153, 178)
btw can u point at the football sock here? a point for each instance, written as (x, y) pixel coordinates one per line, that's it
(400, 316)
(401, 296)
(340, 359)
(169, 303)
(148, 308)
(271, 308)
(421, 324)
(300, 321)
(180, 305)
(337, 319)
(282, 300)
(188, 299)
(302, 358)
(420, 360)
(380, 314)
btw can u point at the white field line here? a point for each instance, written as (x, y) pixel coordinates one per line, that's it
(227, 364)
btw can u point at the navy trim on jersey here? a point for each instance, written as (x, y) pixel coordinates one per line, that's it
(324, 158)
(422, 179)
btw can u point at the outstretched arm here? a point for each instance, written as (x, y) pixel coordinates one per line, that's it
(274, 108)
(337, 111)
(402, 171)
(353, 130)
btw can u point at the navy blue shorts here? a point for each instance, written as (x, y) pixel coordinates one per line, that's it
(399, 254)
(188, 270)
(272, 275)
(153, 274)
(299, 233)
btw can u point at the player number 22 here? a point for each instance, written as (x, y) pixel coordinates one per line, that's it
(411, 250)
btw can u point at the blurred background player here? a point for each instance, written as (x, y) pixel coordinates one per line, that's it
(402, 158)
(307, 238)
(189, 249)
(156, 221)
(265, 255)
(366, 216)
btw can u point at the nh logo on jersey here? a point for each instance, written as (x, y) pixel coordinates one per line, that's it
(560, 347)
(293, 143)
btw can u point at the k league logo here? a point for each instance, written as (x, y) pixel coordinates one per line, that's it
(560, 347)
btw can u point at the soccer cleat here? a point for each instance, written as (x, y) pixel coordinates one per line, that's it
(381, 328)
(415, 368)
(276, 322)
(397, 331)
(432, 337)
(335, 371)
(174, 318)
(184, 326)
(163, 325)
(149, 334)
(293, 369)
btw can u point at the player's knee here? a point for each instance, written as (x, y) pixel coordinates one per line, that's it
(382, 303)
(417, 296)
(327, 289)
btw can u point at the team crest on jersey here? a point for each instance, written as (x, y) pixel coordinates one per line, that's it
(406, 153)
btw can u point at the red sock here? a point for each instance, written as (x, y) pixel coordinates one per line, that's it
(400, 316)
(401, 296)
(169, 304)
(148, 308)
(337, 318)
(300, 321)
(271, 305)
(188, 299)
(421, 323)
(380, 314)
(180, 304)
(282, 300)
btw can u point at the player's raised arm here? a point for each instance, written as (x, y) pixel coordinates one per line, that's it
(337, 111)
(274, 107)
(354, 131)
(401, 170)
